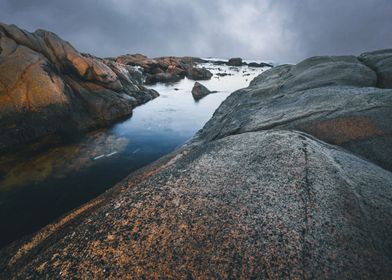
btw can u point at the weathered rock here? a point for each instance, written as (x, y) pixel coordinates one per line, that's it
(162, 78)
(237, 61)
(199, 91)
(195, 73)
(169, 68)
(274, 204)
(46, 86)
(248, 197)
(261, 64)
(333, 98)
(381, 62)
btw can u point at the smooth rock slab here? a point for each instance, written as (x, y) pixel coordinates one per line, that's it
(263, 205)
(333, 98)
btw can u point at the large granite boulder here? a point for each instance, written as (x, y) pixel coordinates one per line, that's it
(380, 62)
(46, 86)
(258, 205)
(335, 99)
(257, 193)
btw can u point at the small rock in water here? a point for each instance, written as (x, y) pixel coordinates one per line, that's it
(199, 91)
(237, 61)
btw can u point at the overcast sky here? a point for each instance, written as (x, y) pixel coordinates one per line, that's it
(270, 30)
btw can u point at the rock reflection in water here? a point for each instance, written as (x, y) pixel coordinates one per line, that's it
(57, 162)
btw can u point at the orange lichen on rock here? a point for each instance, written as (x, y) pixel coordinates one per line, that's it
(341, 130)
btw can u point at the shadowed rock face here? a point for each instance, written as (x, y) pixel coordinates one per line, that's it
(381, 62)
(248, 197)
(46, 86)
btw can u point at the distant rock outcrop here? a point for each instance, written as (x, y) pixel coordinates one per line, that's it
(195, 73)
(46, 86)
(167, 69)
(199, 91)
(257, 194)
(237, 61)
(261, 64)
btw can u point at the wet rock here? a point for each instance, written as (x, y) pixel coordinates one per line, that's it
(49, 87)
(195, 73)
(199, 91)
(235, 61)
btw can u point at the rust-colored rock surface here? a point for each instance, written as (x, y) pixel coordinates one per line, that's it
(167, 69)
(46, 86)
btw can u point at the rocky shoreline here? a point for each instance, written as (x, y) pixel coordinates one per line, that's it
(48, 88)
(291, 178)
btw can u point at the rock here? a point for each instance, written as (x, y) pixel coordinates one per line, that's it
(219, 62)
(235, 61)
(199, 91)
(381, 63)
(169, 68)
(223, 74)
(262, 64)
(271, 204)
(195, 73)
(147, 64)
(49, 87)
(257, 193)
(162, 78)
(332, 98)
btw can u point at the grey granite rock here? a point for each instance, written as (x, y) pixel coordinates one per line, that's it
(332, 98)
(265, 205)
(250, 197)
(381, 62)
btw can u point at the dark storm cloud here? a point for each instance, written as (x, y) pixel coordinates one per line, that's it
(278, 30)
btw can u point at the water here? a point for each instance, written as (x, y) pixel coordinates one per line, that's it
(37, 186)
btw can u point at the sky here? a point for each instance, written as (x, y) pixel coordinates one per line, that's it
(283, 31)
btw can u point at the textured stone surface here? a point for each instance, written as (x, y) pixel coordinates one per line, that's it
(250, 197)
(273, 204)
(167, 69)
(332, 98)
(381, 62)
(196, 73)
(46, 86)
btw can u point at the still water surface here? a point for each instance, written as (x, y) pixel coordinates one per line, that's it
(36, 187)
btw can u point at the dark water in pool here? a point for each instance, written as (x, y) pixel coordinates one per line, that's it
(38, 187)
